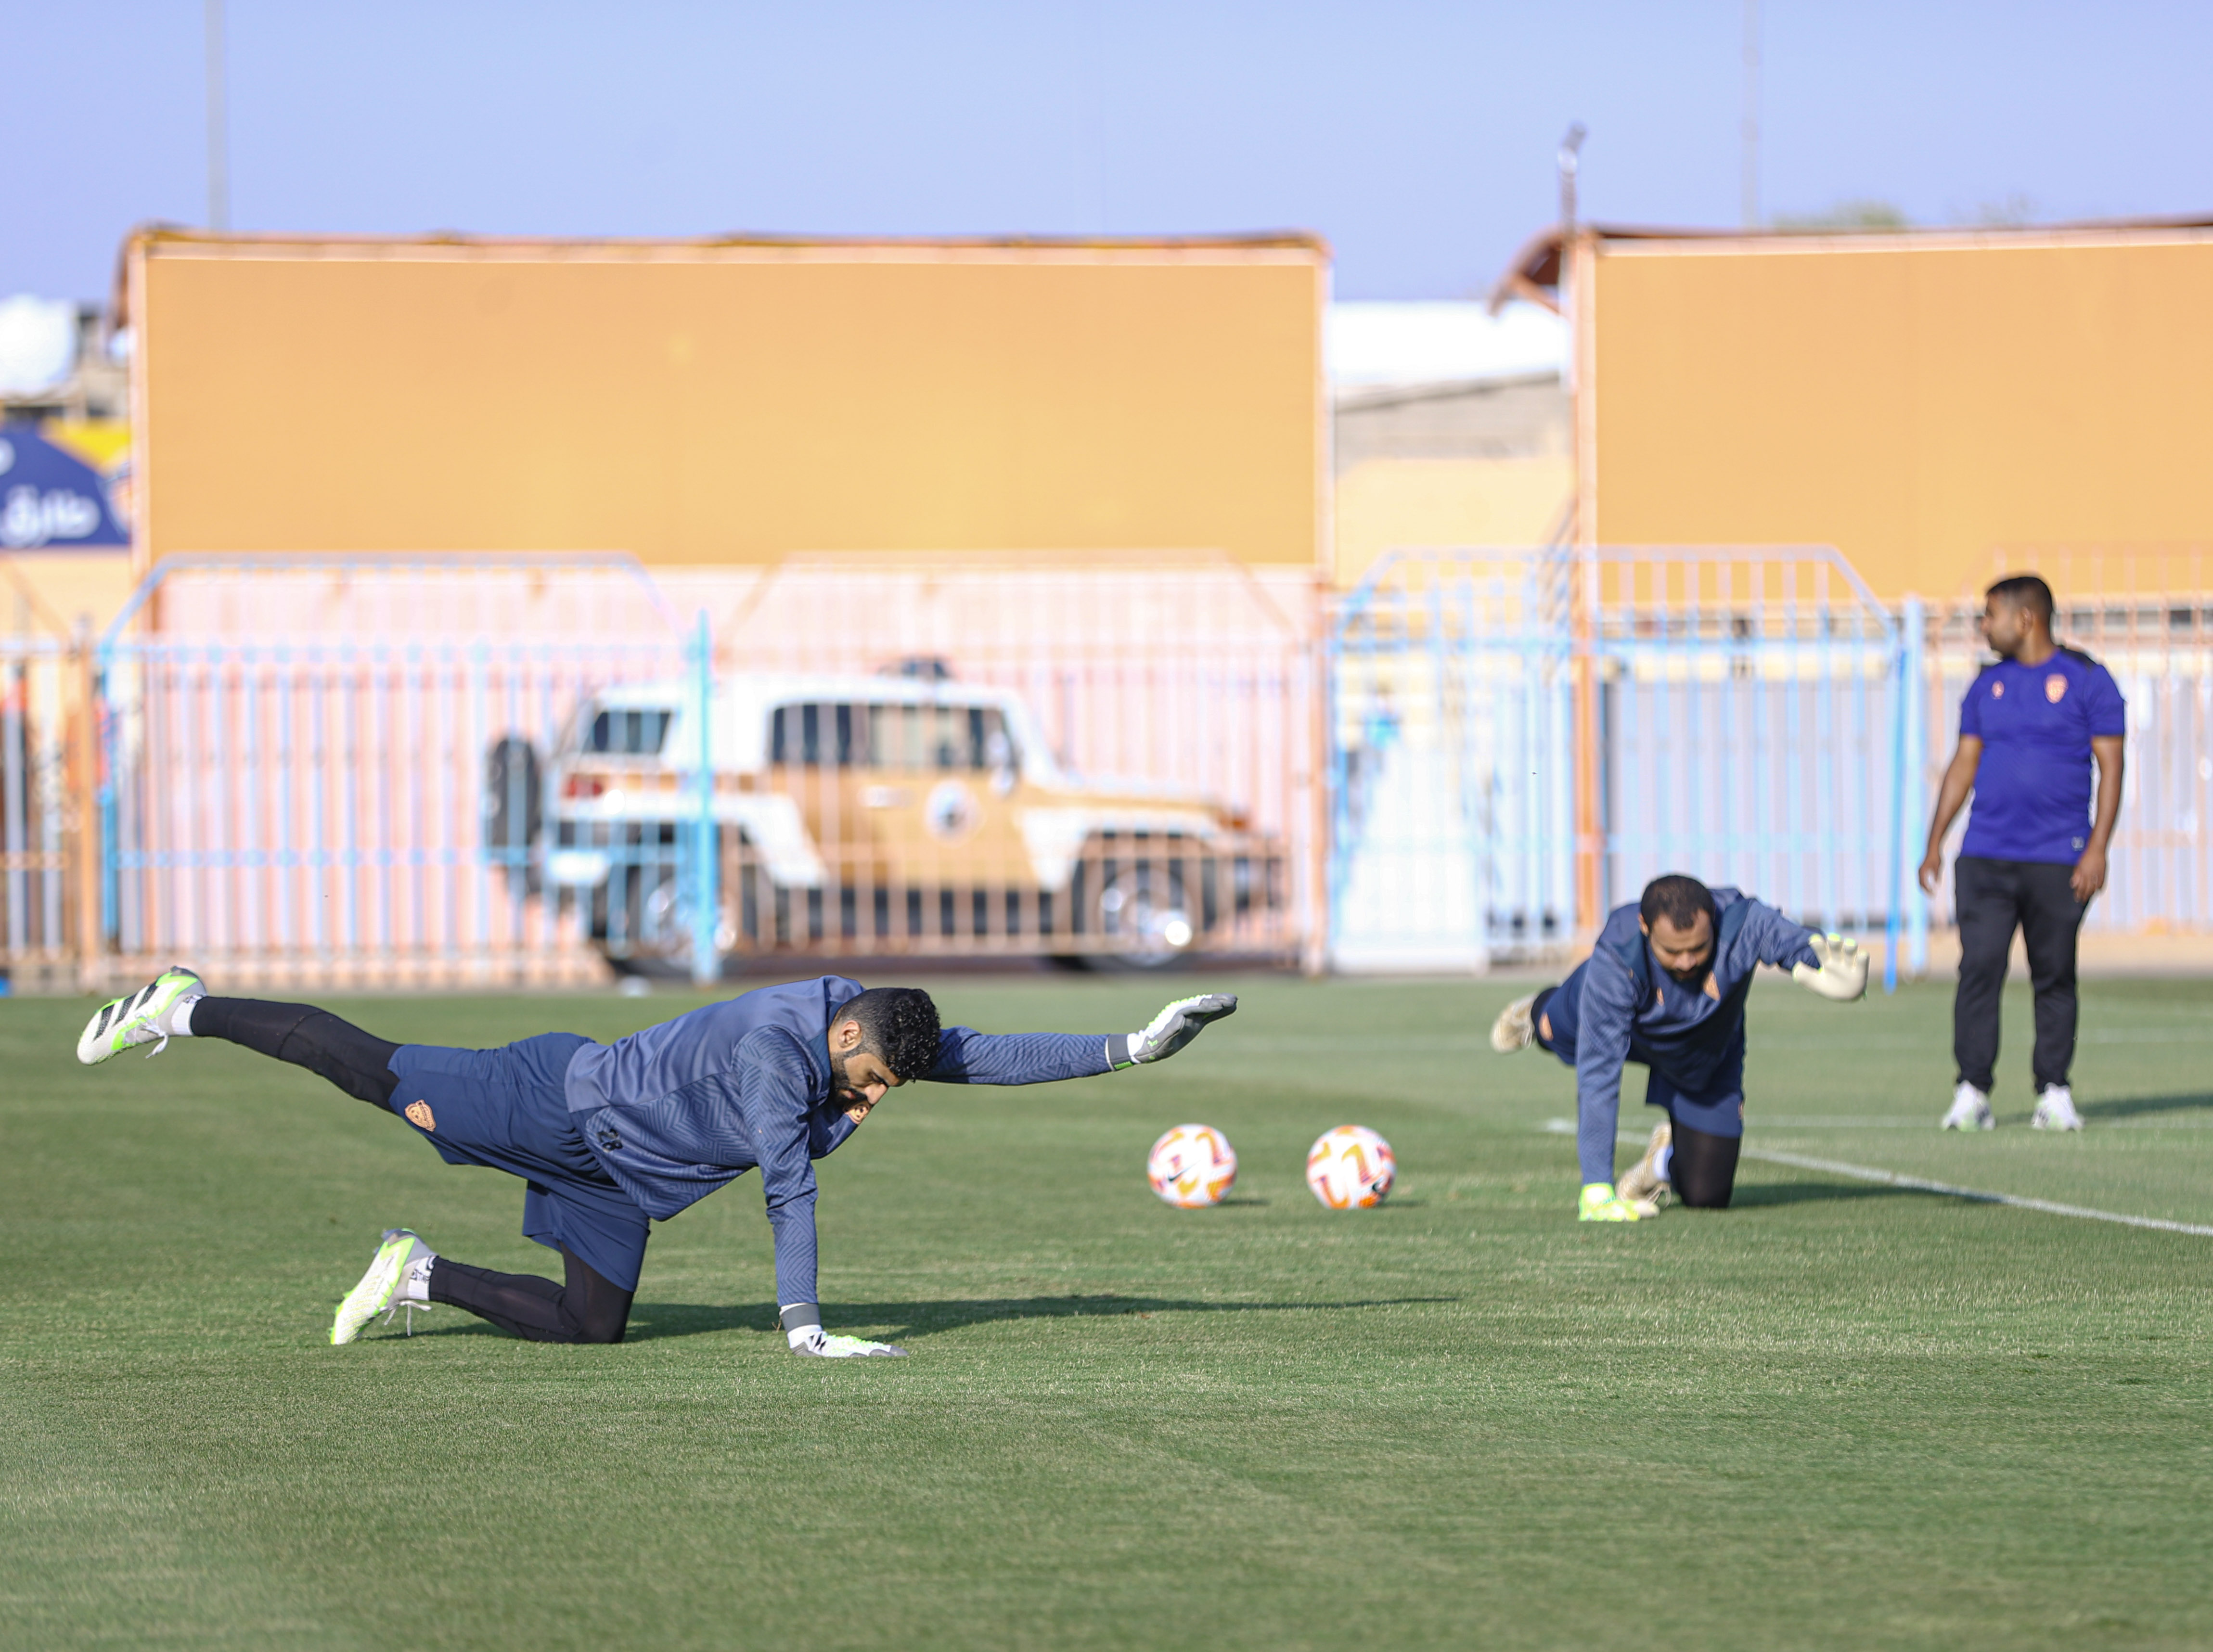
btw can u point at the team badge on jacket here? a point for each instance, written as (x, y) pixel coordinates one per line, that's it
(420, 1116)
(2055, 687)
(1997, 691)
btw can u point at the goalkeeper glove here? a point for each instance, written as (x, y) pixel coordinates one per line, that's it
(1843, 974)
(811, 1340)
(1600, 1203)
(1178, 1024)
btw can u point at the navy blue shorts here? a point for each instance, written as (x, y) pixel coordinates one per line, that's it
(508, 1110)
(1715, 1107)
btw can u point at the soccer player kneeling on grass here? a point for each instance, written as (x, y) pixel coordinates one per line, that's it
(610, 1138)
(1666, 985)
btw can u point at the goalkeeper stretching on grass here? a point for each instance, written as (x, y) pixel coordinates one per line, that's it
(610, 1138)
(1666, 985)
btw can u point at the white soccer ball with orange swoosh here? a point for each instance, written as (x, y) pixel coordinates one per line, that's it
(1192, 1166)
(1351, 1168)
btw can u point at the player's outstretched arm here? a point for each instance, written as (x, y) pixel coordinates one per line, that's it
(967, 1056)
(1840, 971)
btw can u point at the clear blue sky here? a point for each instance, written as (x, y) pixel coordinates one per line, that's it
(1417, 137)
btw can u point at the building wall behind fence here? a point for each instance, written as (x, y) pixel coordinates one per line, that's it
(1912, 399)
(730, 402)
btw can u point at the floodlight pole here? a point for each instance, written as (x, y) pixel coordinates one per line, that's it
(218, 136)
(1570, 159)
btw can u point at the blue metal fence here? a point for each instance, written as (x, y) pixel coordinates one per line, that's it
(1745, 716)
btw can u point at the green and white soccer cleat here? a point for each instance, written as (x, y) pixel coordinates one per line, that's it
(142, 1017)
(1599, 1202)
(398, 1278)
(1970, 1109)
(2054, 1110)
(813, 1339)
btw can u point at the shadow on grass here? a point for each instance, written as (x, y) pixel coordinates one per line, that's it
(654, 1320)
(1772, 1193)
(2135, 1106)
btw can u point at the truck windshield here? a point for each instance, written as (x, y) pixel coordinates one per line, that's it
(908, 737)
(629, 732)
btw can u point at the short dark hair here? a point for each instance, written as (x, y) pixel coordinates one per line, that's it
(899, 1026)
(1679, 899)
(2025, 591)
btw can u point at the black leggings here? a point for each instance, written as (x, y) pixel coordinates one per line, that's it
(307, 1037)
(1703, 1171)
(588, 1309)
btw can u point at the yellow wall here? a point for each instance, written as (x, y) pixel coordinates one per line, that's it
(1385, 504)
(1918, 402)
(700, 404)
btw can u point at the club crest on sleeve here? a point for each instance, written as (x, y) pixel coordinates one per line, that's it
(2055, 687)
(420, 1116)
(1997, 691)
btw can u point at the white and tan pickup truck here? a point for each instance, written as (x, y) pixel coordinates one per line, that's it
(905, 814)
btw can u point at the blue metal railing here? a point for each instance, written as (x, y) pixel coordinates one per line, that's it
(1752, 712)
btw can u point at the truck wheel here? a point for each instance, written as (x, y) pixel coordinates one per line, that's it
(1142, 907)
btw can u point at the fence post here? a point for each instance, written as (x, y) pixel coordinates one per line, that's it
(1915, 621)
(706, 868)
(84, 804)
(1319, 873)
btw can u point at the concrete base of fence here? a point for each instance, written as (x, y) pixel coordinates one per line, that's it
(2097, 954)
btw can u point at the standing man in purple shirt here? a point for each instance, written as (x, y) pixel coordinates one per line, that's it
(2034, 852)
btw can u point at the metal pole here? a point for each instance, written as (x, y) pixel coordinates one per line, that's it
(218, 137)
(1901, 667)
(1751, 130)
(1916, 622)
(92, 847)
(706, 917)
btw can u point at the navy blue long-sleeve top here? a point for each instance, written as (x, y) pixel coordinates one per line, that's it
(679, 1110)
(1629, 1014)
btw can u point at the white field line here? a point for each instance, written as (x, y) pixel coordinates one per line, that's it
(1920, 1184)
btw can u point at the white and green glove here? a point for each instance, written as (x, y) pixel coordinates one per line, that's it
(811, 1340)
(1178, 1024)
(1842, 975)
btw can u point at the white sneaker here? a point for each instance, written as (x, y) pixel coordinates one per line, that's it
(151, 1013)
(2054, 1110)
(1515, 1026)
(1970, 1109)
(399, 1277)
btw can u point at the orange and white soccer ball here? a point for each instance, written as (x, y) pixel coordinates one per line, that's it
(1351, 1168)
(1192, 1166)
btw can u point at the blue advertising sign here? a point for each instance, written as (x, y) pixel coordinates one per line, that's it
(50, 499)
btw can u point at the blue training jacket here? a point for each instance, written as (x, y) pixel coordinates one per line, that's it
(1634, 1010)
(679, 1110)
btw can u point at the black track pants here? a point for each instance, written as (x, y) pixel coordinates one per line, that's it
(1996, 898)
(587, 1309)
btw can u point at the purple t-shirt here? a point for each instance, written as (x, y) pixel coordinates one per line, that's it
(2033, 786)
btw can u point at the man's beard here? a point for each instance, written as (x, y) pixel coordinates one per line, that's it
(1690, 976)
(843, 1096)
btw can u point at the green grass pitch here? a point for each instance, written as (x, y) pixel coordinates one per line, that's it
(1841, 1414)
